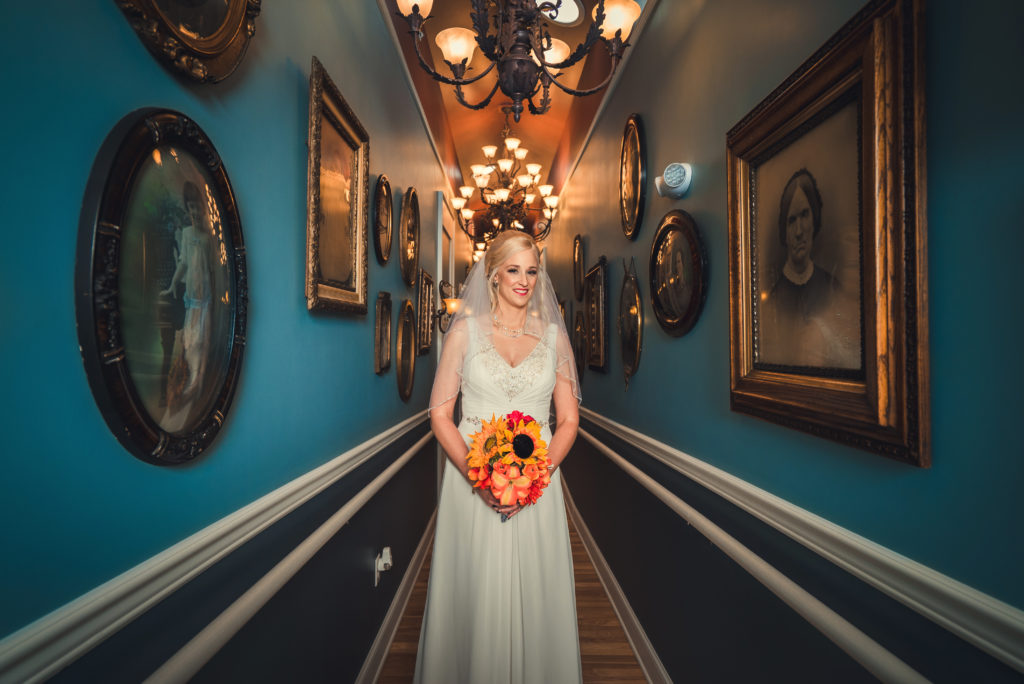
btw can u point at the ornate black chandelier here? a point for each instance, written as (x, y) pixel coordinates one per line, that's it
(508, 187)
(528, 59)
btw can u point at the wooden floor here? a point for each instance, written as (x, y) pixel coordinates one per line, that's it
(604, 650)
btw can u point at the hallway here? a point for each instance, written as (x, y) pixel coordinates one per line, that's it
(604, 650)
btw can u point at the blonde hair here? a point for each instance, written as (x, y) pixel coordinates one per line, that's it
(500, 250)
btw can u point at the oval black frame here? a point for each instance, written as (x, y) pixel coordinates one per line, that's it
(631, 357)
(97, 288)
(382, 224)
(406, 370)
(631, 227)
(410, 224)
(679, 220)
(577, 267)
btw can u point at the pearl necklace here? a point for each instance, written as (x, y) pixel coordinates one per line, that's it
(507, 332)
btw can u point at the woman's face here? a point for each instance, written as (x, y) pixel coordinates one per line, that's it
(799, 229)
(516, 279)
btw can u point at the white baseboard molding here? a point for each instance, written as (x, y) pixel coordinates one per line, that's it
(858, 645)
(993, 626)
(646, 656)
(49, 644)
(386, 634)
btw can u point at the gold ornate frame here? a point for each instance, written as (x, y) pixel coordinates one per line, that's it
(405, 350)
(382, 334)
(205, 59)
(595, 307)
(424, 312)
(874, 60)
(326, 105)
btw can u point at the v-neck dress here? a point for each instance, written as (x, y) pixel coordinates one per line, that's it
(501, 604)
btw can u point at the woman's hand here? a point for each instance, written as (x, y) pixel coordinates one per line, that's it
(493, 503)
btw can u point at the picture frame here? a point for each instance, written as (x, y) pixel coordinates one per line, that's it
(405, 350)
(161, 286)
(579, 342)
(425, 308)
(337, 198)
(204, 42)
(678, 273)
(382, 334)
(577, 267)
(827, 233)
(409, 236)
(595, 307)
(630, 321)
(632, 177)
(382, 219)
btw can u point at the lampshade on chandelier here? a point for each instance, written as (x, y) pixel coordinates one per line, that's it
(527, 58)
(508, 187)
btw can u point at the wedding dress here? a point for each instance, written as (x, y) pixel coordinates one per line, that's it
(501, 597)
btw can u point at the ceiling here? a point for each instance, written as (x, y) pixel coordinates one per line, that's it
(553, 139)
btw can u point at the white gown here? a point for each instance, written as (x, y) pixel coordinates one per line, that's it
(501, 603)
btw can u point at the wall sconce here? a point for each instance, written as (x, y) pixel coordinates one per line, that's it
(449, 305)
(674, 181)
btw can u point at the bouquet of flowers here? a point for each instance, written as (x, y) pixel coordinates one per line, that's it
(508, 457)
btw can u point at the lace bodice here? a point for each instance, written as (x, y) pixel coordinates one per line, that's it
(491, 386)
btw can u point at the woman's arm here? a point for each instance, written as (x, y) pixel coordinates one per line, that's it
(568, 420)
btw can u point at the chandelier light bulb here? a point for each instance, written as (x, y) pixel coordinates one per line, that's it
(618, 14)
(558, 51)
(551, 201)
(545, 190)
(466, 191)
(502, 194)
(547, 214)
(505, 165)
(481, 181)
(495, 222)
(456, 44)
(521, 152)
(529, 198)
(467, 213)
(458, 203)
(533, 169)
(512, 143)
(524, 180)
(405, 7)
(490, 151)
(480, 169)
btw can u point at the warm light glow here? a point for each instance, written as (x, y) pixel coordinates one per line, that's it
(451, 305)
(533, 169)
(551, 201)
(467, 213)
(545, 190)
(558, 51)
(529, 198)
(488, 197)
(618, 14)
(458, 203)
(524, 180)
(456, 43)
(521, 152)
(501, 194)
(547, 214)
(495, 222)
(489, 151)
(518, 225)
(405, 6)
(481, 181)
(466, 191)
(512, 143)
(480, 169)
(505, 165)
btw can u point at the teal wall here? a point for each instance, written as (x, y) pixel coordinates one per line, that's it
(699, 68)
(77, 508)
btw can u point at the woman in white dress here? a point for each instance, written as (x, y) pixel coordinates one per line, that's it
(501, 598)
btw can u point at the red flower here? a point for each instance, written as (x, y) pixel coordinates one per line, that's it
(517, 416)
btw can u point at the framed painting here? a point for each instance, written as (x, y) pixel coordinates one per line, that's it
(382, 334)
(632, 177)
(577, 267)
(678, 273)
(579, 342)
(203, 41)
(337, 192)
(425, 308)
(595, 308)
(161, 286)
(827, 232)
(382, 219)
(409, 237)
(405, 350)
(630, 322)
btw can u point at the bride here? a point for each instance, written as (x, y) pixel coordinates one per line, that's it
(501, 598)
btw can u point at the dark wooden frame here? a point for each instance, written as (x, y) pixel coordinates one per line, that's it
(879, 53)
(409, 234)
(425, 308)
(383, 208)
(633, 146)
(631, 314)
(206, 60)
(405, 350)
(98, 286)
(579, 342)
(679, 221)
(382, 334)
(327, 105)
(577, 267)
(595, 307)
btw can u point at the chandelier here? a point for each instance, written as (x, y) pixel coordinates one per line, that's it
(507, 186)
(528, 59)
